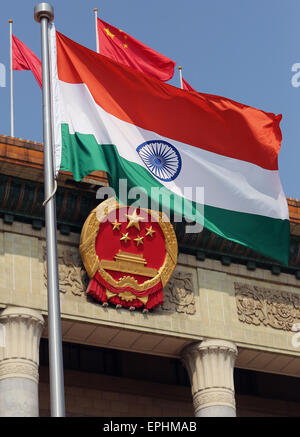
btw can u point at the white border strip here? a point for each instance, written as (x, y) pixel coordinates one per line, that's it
(55, 100)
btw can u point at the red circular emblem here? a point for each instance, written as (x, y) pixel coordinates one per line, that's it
(129, 255)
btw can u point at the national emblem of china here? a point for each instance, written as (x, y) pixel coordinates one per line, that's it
(129, 255)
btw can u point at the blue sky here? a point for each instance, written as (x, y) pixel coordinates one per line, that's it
(241, 49)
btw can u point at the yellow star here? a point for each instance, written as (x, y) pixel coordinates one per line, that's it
(116, 225)
(134, 220)
(108, 32)
(150, 231)
(125, 46)
(125, 237)
(139, 240)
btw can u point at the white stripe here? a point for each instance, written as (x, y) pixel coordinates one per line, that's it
(228, 183)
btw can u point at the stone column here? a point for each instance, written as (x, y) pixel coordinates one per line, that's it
(19, 360)
(210, 366)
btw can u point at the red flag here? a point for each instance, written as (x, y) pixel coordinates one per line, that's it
(186, 86)
(123, 48)
(24, 59)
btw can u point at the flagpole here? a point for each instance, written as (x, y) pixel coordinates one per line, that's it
(96, 29)
(11, 81)
(180, 76)
(44, 13)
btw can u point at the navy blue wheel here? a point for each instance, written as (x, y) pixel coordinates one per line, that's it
(161, 158)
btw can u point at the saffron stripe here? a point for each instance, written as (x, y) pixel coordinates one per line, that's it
(205, 121)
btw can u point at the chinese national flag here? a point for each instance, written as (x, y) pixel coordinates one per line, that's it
(24, 59)
(186, 86)
(123, 48)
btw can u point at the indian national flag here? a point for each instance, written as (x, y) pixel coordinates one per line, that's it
(112, 118)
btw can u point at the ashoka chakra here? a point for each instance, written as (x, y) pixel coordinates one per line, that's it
(161, 158)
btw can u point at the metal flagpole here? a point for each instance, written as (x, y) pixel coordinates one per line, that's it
(180, 76)
(96, 29)
(44, 13)
(11, 81)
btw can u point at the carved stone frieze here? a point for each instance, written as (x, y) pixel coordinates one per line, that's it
(179, 294)
(72, 275)
(263, 306)
(19, 369)
(211, 397)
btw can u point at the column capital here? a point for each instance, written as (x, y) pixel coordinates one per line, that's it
(20, 355)
(211, 345)
(210, 366)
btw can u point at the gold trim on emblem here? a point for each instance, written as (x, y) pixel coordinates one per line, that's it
(125, 260)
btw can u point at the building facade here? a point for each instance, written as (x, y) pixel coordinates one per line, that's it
(225, 341)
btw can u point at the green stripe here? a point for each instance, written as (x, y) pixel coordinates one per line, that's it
(81, 155)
